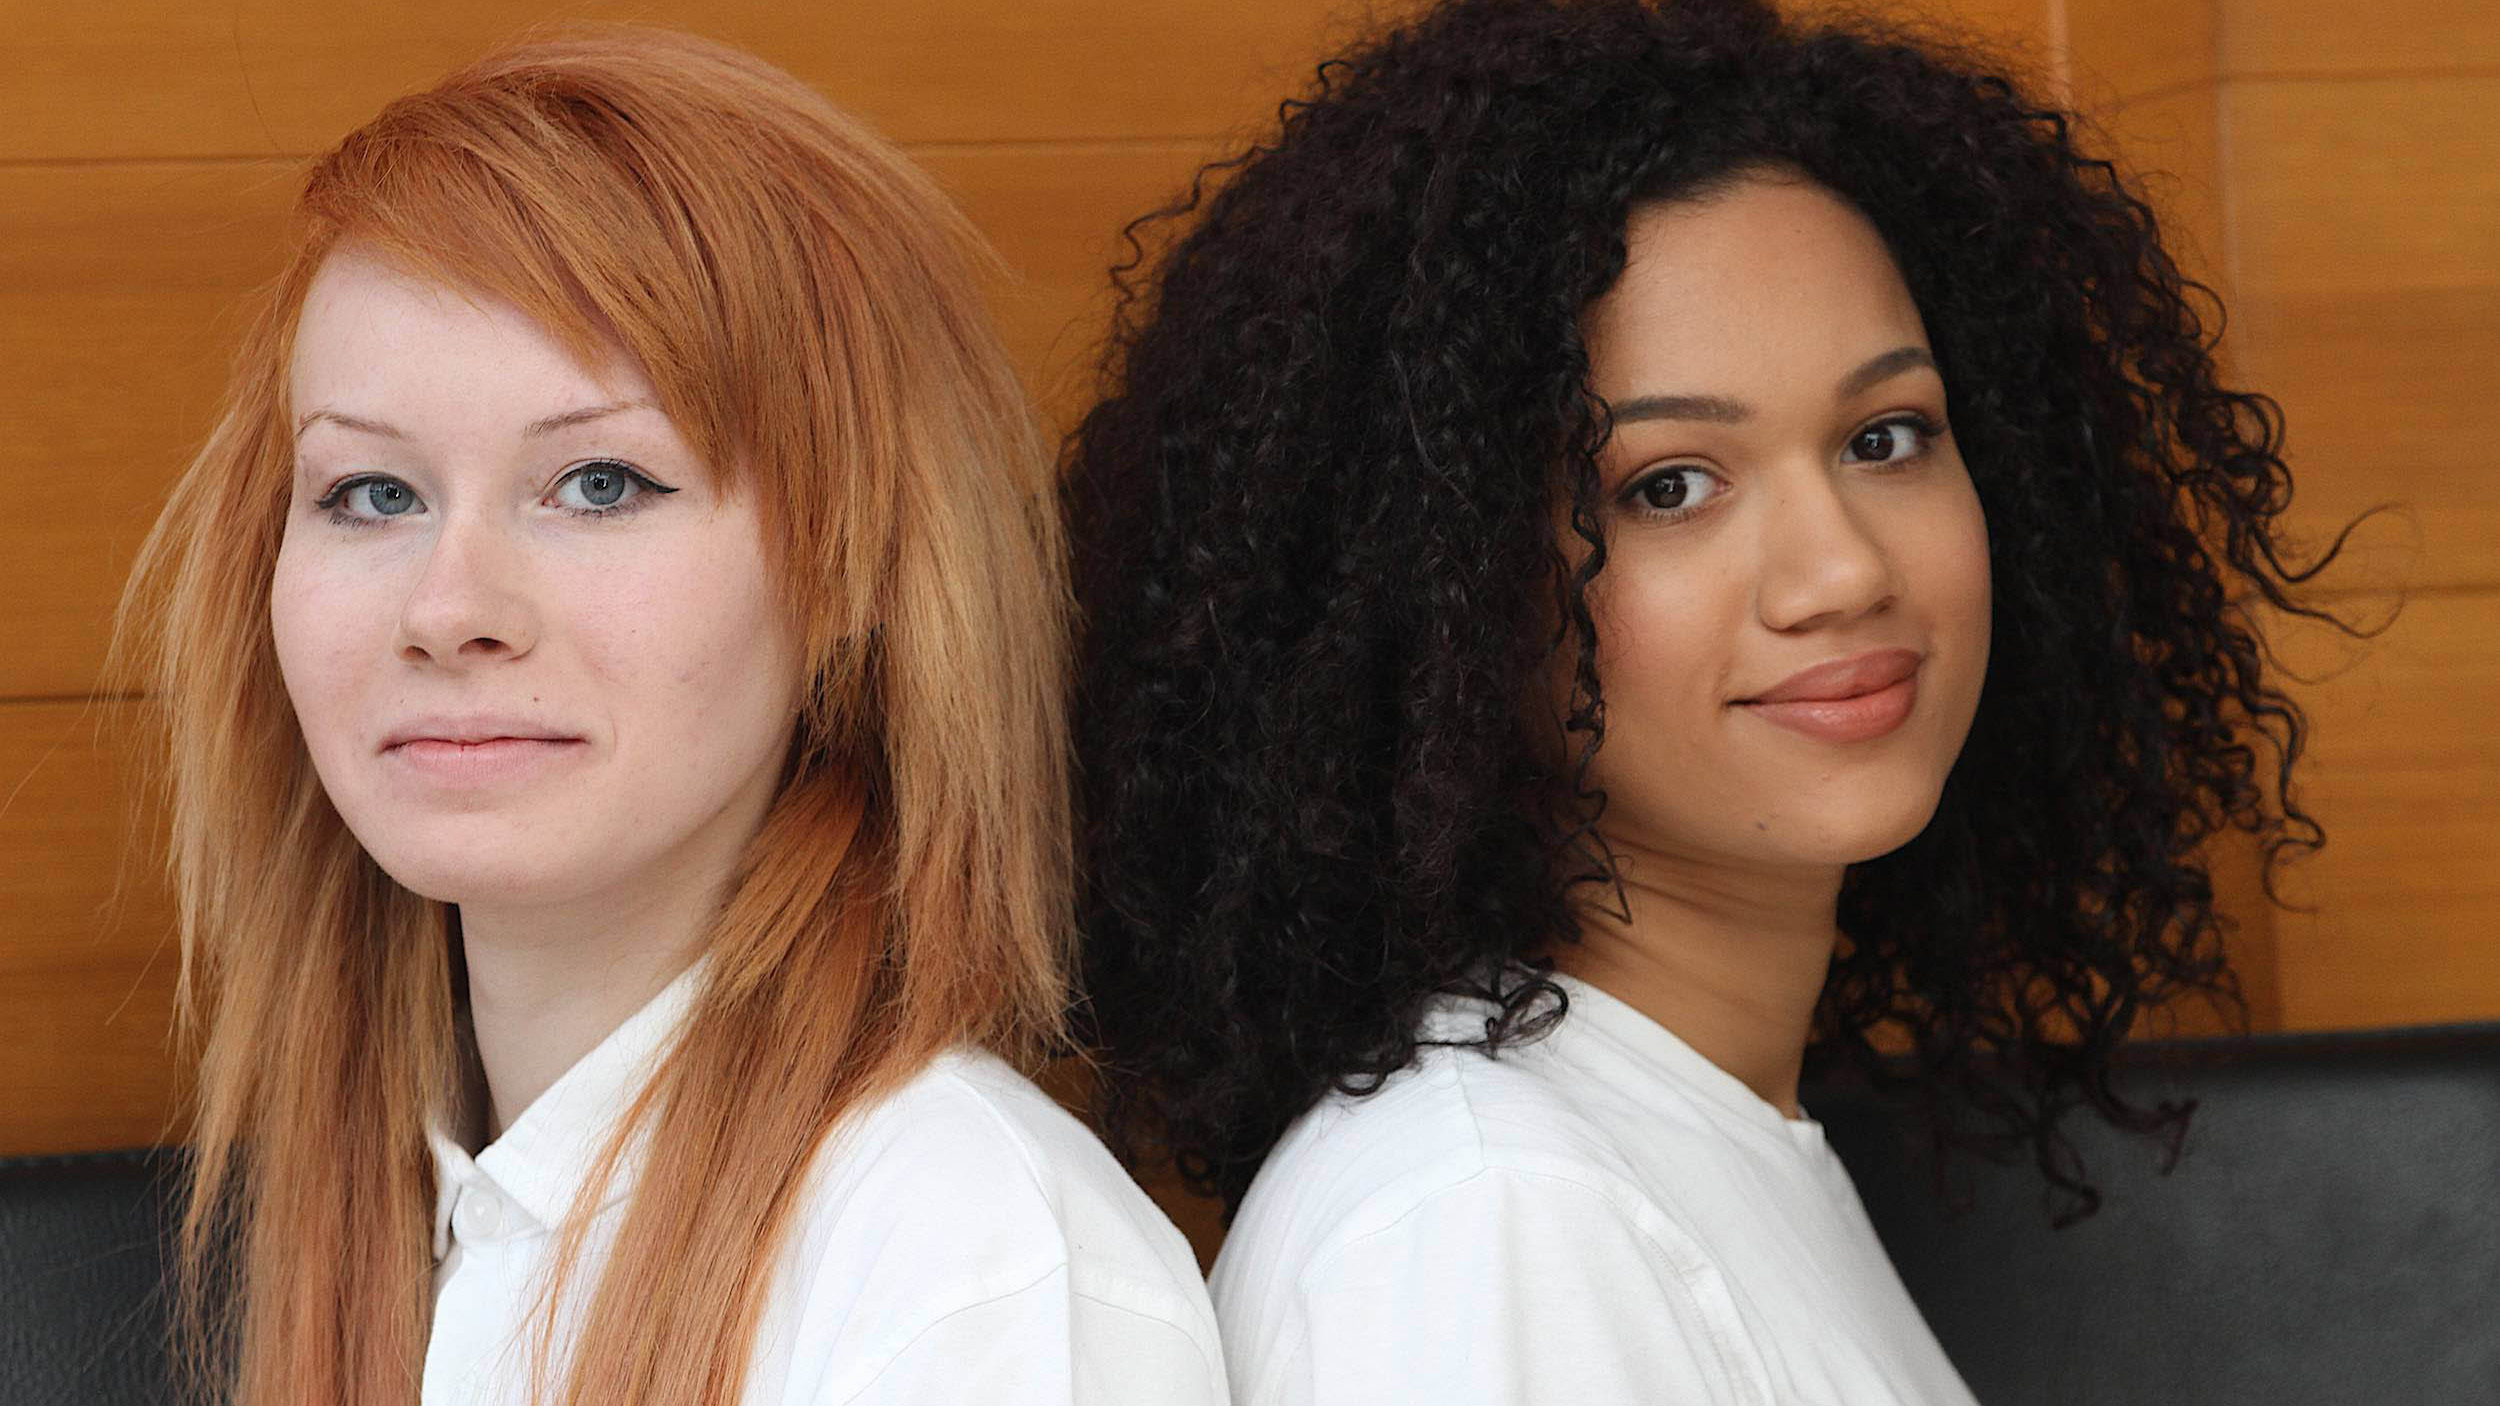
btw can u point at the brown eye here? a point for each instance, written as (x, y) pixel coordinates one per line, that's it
(1891, 440)
(1673, 490)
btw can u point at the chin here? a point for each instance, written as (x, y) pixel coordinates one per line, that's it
(470, 860)
(503, 880)
(1854, 834)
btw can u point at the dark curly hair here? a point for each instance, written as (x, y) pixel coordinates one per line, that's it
(1317, 557)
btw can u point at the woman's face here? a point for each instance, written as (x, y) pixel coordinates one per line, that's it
(528, 634)
(1792, 619)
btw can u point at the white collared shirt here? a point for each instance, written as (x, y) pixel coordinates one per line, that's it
(1599, 1218)
(963, 1240)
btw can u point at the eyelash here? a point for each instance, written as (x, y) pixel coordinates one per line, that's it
(329, 502)
(1926, 427)
(1632, 493)
(650, 489)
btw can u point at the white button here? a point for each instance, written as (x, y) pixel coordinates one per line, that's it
(478, 1214)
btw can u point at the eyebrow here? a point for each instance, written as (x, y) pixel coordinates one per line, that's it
(1719, 410)
(535, 428)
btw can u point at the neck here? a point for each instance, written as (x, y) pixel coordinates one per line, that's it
(548, 982)
(1731, 959)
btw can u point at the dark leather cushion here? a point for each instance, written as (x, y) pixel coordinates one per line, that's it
(85, 1242)
(2331, 1233)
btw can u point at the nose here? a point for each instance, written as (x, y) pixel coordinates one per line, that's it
(472, 602)
(1821, 562)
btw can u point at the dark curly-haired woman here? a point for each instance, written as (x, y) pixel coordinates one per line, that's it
(1628, 544)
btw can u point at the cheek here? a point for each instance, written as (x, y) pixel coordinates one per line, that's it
(324, 622)
(1942, 550)
(696, 639)
(1951, 556)
(1665, 627)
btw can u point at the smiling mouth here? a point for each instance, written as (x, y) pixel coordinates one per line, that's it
(1847, 700)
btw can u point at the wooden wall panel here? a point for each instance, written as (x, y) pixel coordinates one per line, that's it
(2388, 399)
(2406, 777)
(2170, 141)
(270, 77)
(1056, 217)
(2120, 50)
(2365, 185)
(2365, 222)
(2340, 37)
(118, 285)
(87, 964)
(2022, 33)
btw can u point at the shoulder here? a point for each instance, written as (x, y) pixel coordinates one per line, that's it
(1355, 1164)
(1476, 1212)
(967, 1200)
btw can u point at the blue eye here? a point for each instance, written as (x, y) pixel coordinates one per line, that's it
(369, 498)
(603, 486)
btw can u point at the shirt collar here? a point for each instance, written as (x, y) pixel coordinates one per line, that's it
(1598, 1013)
(542, 1161)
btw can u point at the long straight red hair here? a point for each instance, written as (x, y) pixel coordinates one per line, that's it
(805, 302)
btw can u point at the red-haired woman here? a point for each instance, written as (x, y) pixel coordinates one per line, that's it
(612, 651)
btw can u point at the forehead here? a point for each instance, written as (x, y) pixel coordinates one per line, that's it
(1772, 280)
(373, 338)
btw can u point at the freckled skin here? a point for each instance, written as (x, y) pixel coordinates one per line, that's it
(1796, 550)
(652, 635)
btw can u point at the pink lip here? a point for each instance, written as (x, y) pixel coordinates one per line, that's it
(477, 749)
(472, 728)
(1856, 699)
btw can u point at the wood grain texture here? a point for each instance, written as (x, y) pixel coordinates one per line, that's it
(123, 284)
(266, 77)
(2405, 898)
(1056, 218)
(119, 285)
(2021, 33)
(87, 963)
(270, 77)
(2388, 401)
(2365, 225)
(2340, 37)
(2238, 868)
(2123, 49)
(2366, 228)
(2364, 185)
(2170, 144)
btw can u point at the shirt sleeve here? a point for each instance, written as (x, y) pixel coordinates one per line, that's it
(1046, 1345)
(1512, 1289)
